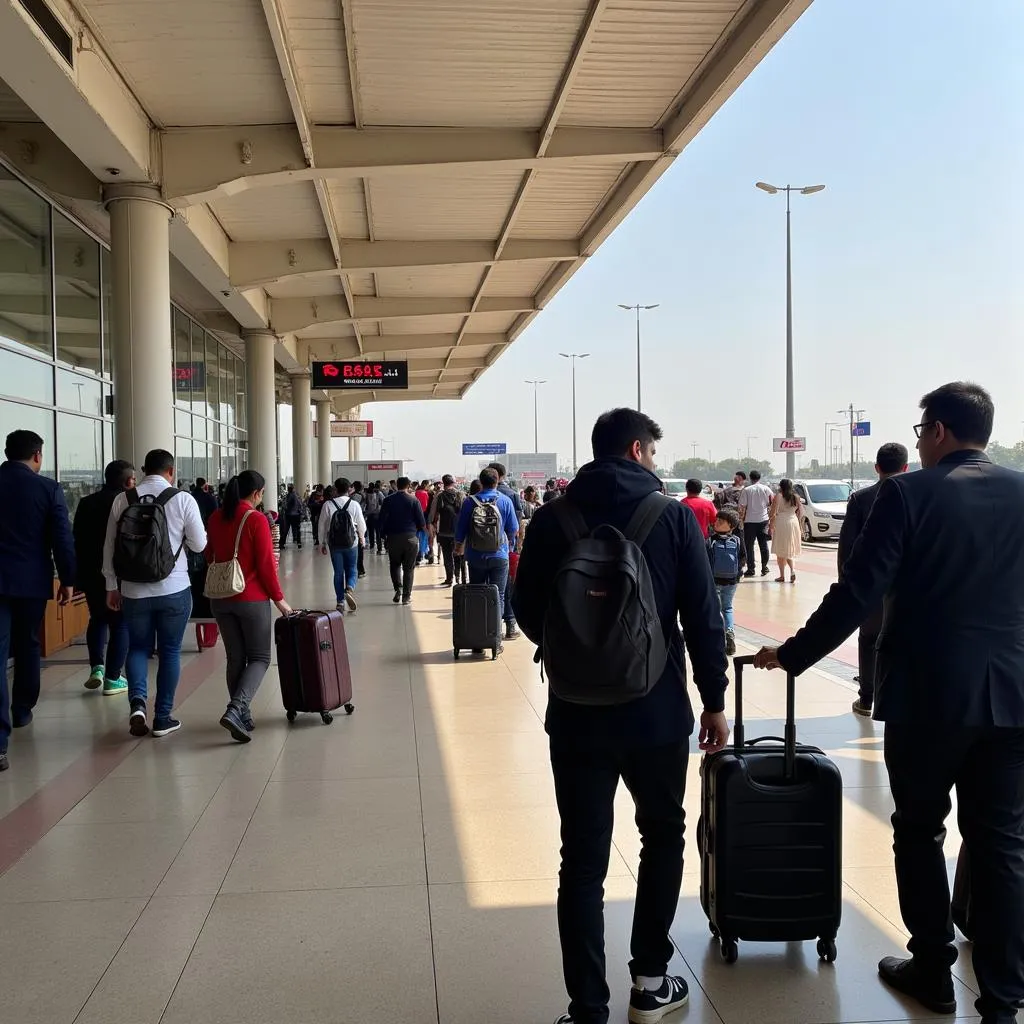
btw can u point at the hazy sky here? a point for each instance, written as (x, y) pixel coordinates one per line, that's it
(907, 269)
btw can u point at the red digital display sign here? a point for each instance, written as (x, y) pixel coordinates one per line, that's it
(361, 373)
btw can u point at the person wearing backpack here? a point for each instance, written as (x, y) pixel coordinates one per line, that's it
(146, 572)
(444, 514)
(485, 532)
(611, 562)
(342, 534)
(727, 555)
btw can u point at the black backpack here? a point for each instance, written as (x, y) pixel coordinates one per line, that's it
(142, 546)
(342, 532)
(603, 638)
(485, 527)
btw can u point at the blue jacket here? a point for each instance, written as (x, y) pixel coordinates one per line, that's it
(509, 522)
(608, 491)
(35, 531)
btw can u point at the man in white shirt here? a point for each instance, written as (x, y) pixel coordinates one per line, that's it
(345, 559)
(160, 608)
(755, 501)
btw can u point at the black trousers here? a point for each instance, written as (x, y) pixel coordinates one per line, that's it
(293, 526)
(373, 538)
(755, 532)
(986, 765)
(585, 784)
(403, 549)
(866, 640)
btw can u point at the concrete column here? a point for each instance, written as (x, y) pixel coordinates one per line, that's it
(143, 355)
(261, 410)
(323, 443)
(302, 435)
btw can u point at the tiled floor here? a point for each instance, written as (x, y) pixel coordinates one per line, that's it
(399, 865)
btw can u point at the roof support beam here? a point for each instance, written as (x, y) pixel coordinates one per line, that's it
(260, 263)
(201, 163)
(391, 344)
(298, 314)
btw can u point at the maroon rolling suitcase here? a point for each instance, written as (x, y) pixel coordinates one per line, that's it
(312, 662)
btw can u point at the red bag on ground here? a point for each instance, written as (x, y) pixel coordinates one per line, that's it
(206, 635)
(513, 564)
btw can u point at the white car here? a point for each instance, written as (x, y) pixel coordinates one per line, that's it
(676, 488)
(824, 507)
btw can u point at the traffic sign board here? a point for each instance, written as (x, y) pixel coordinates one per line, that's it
(862, 429)
(789, 444)
(485, 448)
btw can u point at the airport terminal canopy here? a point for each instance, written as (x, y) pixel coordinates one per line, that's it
(409, 179)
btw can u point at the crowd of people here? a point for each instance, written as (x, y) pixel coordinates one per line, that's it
(930, 570)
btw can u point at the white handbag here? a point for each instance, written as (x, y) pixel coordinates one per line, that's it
(226, 579)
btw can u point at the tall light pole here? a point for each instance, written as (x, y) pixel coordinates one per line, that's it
(637, 309)
(572, 357)
(536, 435)
(750, 437)
(829, 425)
(804, 190)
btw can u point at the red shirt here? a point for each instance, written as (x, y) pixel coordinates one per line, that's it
(423, 498)
(255, 552)
(704, 510)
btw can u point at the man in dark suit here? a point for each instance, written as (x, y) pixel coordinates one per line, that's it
(890, 461)
(34, 532)
(945, 548)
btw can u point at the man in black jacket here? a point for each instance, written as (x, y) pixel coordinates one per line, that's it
(106, 657)
(643, 742)
(944, 550)
(891, 460)
(401, 520)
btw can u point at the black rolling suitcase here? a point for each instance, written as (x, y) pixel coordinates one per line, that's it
(476, 620)
(770, 838)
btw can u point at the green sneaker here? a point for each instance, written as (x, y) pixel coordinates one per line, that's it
(114, 686)
(95, 680)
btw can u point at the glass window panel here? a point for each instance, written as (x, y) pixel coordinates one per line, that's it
(199, 428)
(106, 311)
(27, 417)
(232, 396)
(22, 377)
(199, 381)
(182, 423)
(212, 376)
(240, 388)
(227, 383)
(80, 457)
(79, 393)
(183, 459)
(183, 369)
(200, 460)
(25, 297)
(76, 262)
(108, 442)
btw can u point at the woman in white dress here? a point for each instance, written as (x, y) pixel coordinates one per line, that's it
(784, 519)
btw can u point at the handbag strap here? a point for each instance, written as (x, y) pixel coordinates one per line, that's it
(238, 536)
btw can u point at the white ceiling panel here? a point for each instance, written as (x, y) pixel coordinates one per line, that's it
(349, 203)
(326, 331)
(430, 281)
(362, 283)
(305, 287)
(497, 322)
(316, 35)
(424, 325)
(512, 279)
(559, 203)
(290, 211)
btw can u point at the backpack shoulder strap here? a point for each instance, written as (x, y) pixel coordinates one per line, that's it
(133, 496)
(574, 526)
(346, 505)
(647, 513)
(165, 496)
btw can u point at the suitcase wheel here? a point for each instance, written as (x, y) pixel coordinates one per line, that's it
(494, 654)
(349, 708)
(827, 950)
(714, 931)
(291, 715)
(730, 951)
(327, 717)
(457, 653)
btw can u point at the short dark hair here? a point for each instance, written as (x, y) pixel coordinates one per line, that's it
(739, 473)
(551, 483)
(358, 487)
(694, 487)
(964, 409)
(21, 445)
(498, 468)
(200, 481)
(117, 472)
(291, 487)
(489, 478)
(616, 430)
(341, 485)
(728, 516)
(447, 479)
(158, 462)
(755, 475)
(892, 457)
(402, 483)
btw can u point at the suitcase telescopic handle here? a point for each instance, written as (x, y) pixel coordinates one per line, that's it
(789, 736)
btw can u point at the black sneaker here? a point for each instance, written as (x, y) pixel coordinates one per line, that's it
(933, 990)
(646, 1007)
(406, 600)
(512, 631)
(4, 763)
(764, 570)
(565, 1019)
(397, 597)
(137, 719)
(730, 643)
(19, 719)
(861, 709)
(247, 723)
(748, 575)
(165, 726)
(232, 721)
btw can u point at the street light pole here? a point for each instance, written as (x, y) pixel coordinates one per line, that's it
(804, 190)
(750, 437)
(636, 308)
(536, 442)
(572, 357)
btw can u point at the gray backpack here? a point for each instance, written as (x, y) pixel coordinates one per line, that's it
(485, 527)
(603, 638)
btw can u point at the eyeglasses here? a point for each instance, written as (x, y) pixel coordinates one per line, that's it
(920, 428)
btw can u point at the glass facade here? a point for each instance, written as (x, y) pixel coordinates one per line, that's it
(56, 361)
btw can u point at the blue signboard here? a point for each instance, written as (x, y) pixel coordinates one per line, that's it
(485, 448)
(862, 429)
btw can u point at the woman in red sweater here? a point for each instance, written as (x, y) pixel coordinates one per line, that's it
(245, 619)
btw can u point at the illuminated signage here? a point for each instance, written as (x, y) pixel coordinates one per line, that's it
(190, 376)
(352, 373)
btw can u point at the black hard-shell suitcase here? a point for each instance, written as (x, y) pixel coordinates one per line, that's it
(770, 838)
(476, 619)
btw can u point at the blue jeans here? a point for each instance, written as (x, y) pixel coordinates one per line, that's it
(491, 570)
(346, 570)
(726, 593)
(166, 617)
(104, 624)
(424, 543)
(20, 619)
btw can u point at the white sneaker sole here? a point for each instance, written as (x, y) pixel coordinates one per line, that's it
(653, 1016)
(157, 733)
(120, 691)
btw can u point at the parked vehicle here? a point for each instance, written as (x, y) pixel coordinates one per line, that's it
(824, 507)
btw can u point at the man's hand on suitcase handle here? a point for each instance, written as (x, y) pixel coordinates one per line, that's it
(767, 657)
(714, 731)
